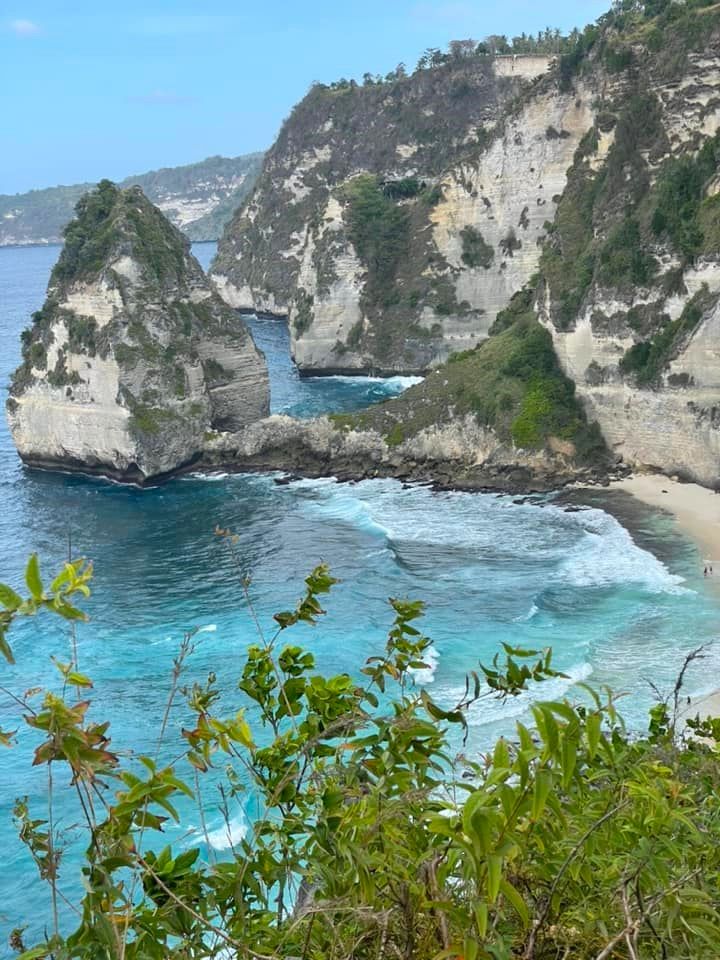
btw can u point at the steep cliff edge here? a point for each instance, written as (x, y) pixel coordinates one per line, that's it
(133, 358)
(592, 185)
(629, 282)
(391, 222)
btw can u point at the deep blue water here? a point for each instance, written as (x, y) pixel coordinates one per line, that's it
(619, 604)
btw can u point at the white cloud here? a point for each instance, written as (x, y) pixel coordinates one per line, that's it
(24, 28)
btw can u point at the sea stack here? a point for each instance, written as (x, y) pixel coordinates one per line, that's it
(133, 359)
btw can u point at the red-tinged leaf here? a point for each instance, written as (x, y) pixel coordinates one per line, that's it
(6, 737)
(197, 761)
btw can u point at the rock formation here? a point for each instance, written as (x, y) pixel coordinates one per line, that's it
(591, 182)
(392, 221)
(133, 359)
(629, 280)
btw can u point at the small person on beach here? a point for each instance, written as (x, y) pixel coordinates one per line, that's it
(705, 572)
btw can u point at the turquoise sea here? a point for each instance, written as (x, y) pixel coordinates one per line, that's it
(617, 595)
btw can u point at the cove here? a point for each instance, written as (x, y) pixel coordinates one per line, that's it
(619, 602)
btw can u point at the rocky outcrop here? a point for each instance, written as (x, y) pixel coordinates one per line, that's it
(672, 425)
(133, 358)
(457, 455)
(501, 416)
(630, 279)
(391, 222)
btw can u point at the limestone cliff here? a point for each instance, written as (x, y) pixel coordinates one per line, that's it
(393, 224)
(392, 221)
(133, 358)
(630, 277)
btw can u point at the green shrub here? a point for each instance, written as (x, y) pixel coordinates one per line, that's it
(678, 197)
(82, 334)
(622, 256)
(404, 189)
(396, 436)
(709, 224)
(475, 252)
(646, 361)
(37, 355)
(617, 59)
(302, 321)
(379, 230)
(354, 336)
(374, 836)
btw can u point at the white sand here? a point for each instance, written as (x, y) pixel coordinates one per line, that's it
(695, 508)
(707, 706)
(697, 513)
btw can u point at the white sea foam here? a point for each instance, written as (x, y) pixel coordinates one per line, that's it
(426, 675)
(210, 628)
(209, 477)
(392, 382)
(524, 617)
(607, 554)
(588, 547)
(342, 503)
(492, 711)
(227, 834)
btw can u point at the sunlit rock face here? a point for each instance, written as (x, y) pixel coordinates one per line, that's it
(461, 185)
(133, 358)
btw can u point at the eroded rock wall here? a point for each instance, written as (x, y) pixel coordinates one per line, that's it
(292, 249)
(133, 358)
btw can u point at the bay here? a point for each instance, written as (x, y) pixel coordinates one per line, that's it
(620, 603)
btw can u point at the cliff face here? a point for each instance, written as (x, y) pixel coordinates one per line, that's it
(392, 221)
(394, 224)
(630, 278)
(133, 358)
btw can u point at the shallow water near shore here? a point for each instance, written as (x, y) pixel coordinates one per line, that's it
(611, 586)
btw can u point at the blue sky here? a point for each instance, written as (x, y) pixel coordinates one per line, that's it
(107, 88)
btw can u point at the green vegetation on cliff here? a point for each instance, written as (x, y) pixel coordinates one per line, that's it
(159, 324)
(104, 218)
(647, 360)
(511, 383)
(682, 214)
(381, 829)
(612, 217)
(378, 227)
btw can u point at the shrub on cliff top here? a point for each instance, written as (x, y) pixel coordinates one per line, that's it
(380, 832)
(106, 215)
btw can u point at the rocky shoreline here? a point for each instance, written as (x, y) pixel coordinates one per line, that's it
(449, 458)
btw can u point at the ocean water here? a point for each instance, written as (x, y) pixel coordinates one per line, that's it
(617, 595)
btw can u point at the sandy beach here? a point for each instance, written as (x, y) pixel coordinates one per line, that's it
(697, 513)
(695, 508)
